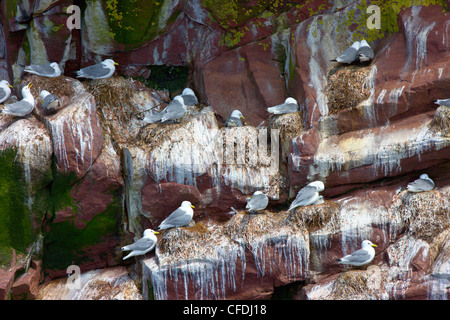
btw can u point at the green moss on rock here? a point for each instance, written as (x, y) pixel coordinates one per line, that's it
(65, 244)
(135, 22)
(16, 229)
(389, 13)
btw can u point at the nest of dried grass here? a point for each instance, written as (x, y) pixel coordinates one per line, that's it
(425, 214)
(346, 87)
(59, 86)
(441, 121)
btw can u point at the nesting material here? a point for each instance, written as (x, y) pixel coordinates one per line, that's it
(346, 87)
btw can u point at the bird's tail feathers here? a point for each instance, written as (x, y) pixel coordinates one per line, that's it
(129, 255)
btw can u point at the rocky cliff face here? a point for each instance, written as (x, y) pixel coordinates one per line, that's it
(77, 185)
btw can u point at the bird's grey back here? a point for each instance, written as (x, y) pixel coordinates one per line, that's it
(443, 102)
(190, 100)
(178, 218)
(48, 99)
(41, 69)
(174, 111)
(233, 122)
(348, 56)
(305, 196)
(260, 201)
(19, 109)
(96, 70)
(360, 255)
(2, 94)
(141, 244)
(367, 51)
(421, 185)
(284, 108)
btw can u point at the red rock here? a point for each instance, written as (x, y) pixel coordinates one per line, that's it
(77, 135)
(6, 281)
(160, 200)
(26, 286)
(249, 81)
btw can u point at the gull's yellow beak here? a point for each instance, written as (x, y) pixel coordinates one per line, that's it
(29, 85)
(192, 207)
(10, 86)
(116, 64)
(374, 245)
(243, 117)
(156, 232)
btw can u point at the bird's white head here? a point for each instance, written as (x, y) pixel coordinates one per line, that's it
(149, 232)
(290, 100)
(368, 243)
(318, 185)
(110, 62)
(187, 204)
(44, 93)
(179, 99)
(257, 193)
(5, 83)
(55, 66)
(26, 90)
(26, 93)
(237, 114)
(188, 91)
(364, 43)
(356, 45)
(424, 176)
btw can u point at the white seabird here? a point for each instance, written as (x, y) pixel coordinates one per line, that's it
(424, 183)
(48, 70)
(360, 257)
(179, 218)
(50, 102)
(5, 90)
(443, 102)
(235, 119)
(189, 97)
(102, 70)
(258, 201)
(143, 245)
(350, 54)
(365, 52)
(23, 107)
(308, 195)
(290, 105)
(174, 111)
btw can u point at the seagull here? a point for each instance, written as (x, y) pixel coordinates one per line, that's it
(179, 218)
(22, 107)
(443, 102)
(143, 245)
(290, 105)
(307, 195)
(102, 70)
(49, 70)
(365, 52)
(189, 97)
(50, 102)
(257, 202)
(349, 55)
(424, 183)
(320, 200)
(360, 257)
(235, 119)
(5, 90)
